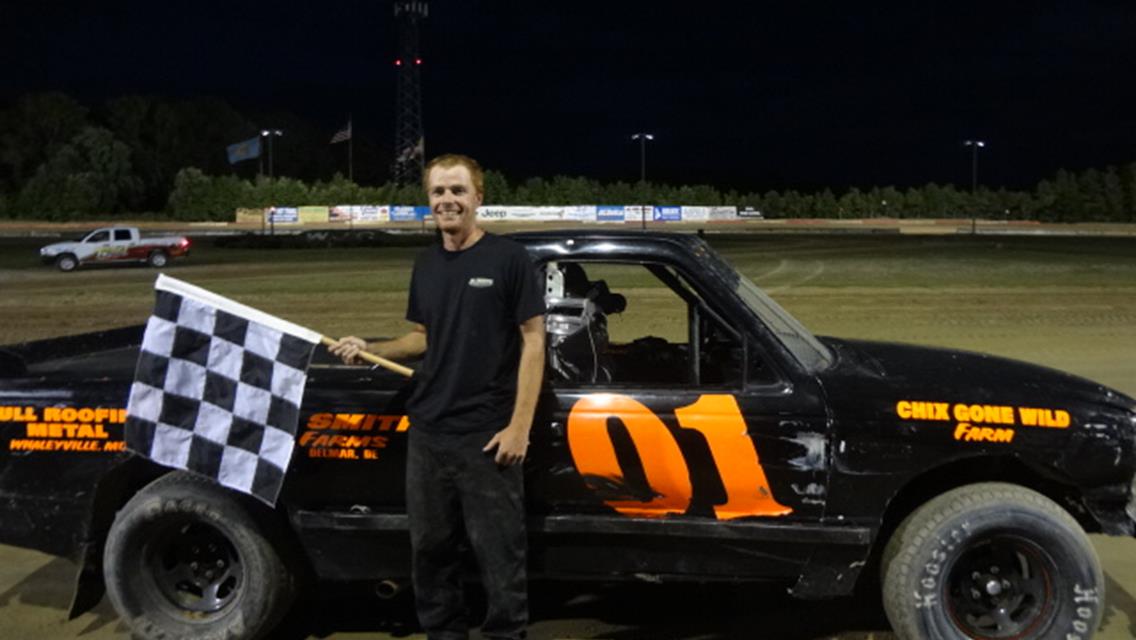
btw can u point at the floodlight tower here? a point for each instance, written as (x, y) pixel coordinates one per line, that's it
(409, 140)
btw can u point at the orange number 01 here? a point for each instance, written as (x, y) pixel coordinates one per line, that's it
(717, 417)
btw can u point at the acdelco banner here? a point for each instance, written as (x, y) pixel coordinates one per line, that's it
(667, 214)
(695, 214)
(609, 213)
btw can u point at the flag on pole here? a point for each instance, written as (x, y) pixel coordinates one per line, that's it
(342, 135)
(217, 389)
(244, 150)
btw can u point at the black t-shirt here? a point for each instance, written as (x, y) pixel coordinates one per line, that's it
(472, 303)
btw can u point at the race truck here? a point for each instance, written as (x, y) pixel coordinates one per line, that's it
(689, 429)
(114, 245)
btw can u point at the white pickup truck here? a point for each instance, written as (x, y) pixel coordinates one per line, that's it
(114, 245)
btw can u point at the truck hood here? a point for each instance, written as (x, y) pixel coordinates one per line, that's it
(927, 372)
(56, 247)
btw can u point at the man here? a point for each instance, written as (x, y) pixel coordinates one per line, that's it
(477, 308)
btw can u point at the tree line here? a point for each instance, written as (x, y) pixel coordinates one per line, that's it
(60, 160)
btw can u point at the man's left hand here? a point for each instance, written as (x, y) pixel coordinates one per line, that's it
(511, 443)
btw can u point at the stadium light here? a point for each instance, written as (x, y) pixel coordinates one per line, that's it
(643, 138)
(270, 134)
(974, 145)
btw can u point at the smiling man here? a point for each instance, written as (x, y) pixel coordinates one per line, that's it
(477, 308)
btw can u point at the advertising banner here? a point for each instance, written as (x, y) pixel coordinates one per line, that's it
(371, 213)
(609, 213)
(695, 214)
(340, 213)
(750, 212)
(547, 214)
(580, 213)
(493, 214)
(283, 215)
(402, 214)
(313, 215)
(667, 214)
(723, 213)
(250, 216)
(636, 213)
(421, 213)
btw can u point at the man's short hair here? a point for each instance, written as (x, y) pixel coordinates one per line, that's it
(447, 160)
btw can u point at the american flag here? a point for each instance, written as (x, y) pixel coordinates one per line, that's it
(342, 135)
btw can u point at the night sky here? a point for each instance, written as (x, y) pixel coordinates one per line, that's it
(749, 95)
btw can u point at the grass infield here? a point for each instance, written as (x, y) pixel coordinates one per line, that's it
(1065, 302)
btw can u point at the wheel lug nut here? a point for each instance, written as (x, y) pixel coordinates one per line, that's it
(220, 564)
(209, 575)
(994, 570)
(976, 576)
(193, 565)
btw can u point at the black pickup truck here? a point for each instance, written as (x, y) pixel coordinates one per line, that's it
(689, 429)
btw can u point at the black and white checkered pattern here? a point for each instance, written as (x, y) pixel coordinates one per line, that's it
(217, 389)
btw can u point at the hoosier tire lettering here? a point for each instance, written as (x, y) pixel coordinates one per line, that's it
(991, 560)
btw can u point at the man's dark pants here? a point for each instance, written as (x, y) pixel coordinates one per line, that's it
(454, 489)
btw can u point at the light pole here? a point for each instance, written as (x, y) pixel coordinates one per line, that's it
(974, 145)
(643, 138)
(270, 134)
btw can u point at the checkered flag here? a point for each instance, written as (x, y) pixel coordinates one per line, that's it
(218, 388)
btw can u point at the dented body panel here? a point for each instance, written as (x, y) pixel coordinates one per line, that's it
(791, 471)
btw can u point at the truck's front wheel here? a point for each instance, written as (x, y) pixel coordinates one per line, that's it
(188, 558)
(66, 262)
(990, 561)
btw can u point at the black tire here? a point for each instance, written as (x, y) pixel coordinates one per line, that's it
(992, 560)
(67, 262)
(158, 259)
(187, 558)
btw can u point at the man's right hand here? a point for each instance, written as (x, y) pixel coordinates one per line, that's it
(348, 349)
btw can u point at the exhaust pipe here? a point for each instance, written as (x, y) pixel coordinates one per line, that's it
(388, 588)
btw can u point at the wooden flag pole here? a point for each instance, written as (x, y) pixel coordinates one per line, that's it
(374, 359)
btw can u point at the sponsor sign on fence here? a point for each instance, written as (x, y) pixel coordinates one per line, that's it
(580, 213)
(313, 215)
(340, 213)
(636, 213)
(667, 214)
(250, 216)
(695, 214)
(403, 214)
(371, 213)
(283, 215)
(609, 213)
(723, 213)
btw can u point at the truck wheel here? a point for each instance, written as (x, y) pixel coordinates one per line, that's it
(157, 259)
(992, 560)
(66, 262)
(186, 558)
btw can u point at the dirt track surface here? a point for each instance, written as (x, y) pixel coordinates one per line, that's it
(1070, 304)
(35, 591)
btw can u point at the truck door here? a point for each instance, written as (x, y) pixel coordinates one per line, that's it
(666, 433)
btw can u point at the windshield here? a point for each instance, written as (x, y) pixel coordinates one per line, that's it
(803, 344)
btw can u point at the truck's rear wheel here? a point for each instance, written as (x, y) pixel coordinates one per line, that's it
(991, 561)
(158, 259)
(66, 262)
(188, 558)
